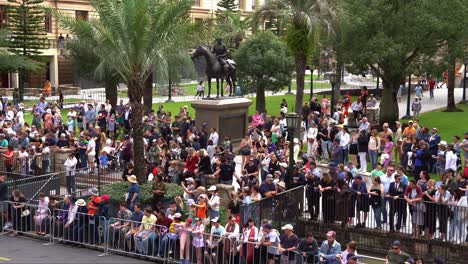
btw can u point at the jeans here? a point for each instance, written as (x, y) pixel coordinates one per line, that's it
(345, 155)
(226, 182)
(213, 214)
(141, 244)
(377, 215)
(325, 149)
(456, 224)
(168, 243)
(373, 158)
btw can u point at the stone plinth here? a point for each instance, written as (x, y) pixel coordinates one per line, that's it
(373, 114)
(228, 116)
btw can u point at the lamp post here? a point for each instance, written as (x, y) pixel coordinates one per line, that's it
(464, 75)
(293, 121)
(169, 98)
(408, 99)
(311, 82)
(332, 82)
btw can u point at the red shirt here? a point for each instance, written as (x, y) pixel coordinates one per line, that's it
(10, 154)
(191, 163)
(432, 84)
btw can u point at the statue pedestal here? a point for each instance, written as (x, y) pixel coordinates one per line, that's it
(228, 116)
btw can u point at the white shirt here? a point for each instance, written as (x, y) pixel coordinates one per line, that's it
(450, 160)
(92, 147)
(344, 139)
(312, 133)
(214, 202)
(70, 165)
(10, 115)
(72, 213)
(20, 116)
(247, 231)
(214, 137)
(233, 234)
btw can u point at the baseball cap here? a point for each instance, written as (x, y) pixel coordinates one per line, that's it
(396, 244)
(287, 227)
(267, 226)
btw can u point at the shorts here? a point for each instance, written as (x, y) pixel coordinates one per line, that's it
(273, 257)
(91, 158)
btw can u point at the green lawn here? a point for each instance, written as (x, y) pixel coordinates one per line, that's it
(448, 124)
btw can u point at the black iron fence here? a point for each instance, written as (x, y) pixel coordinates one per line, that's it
(426, 226)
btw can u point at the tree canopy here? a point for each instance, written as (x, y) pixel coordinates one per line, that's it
(264, 63)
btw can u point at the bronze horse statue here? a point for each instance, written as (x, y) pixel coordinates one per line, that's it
(215, 70)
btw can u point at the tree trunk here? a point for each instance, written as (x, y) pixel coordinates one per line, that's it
(339, 74)
(110, 83)
(260, 99)
(451, 107)
(148, 97)
(389, 112)
(135, 94)
(300, 74)
(21, 81)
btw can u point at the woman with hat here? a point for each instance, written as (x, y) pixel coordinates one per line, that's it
(133, 192)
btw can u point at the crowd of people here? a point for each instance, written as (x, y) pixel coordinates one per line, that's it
(401, 161)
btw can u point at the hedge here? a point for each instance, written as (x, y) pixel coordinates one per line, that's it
(117, 191)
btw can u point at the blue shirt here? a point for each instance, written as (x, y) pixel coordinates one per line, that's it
(132, 189)
(330, 252)
(136, 218)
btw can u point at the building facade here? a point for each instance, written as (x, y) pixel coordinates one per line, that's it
(58, 68)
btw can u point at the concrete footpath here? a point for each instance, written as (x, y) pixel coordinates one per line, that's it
(28, 250)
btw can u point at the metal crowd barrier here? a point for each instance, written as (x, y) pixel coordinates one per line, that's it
(25, 219)
(73, 227)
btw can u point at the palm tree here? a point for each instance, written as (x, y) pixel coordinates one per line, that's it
(10, 61)
(303, 21)
(132, 37)
(234, 29)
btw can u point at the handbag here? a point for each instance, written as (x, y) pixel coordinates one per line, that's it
(25, 213)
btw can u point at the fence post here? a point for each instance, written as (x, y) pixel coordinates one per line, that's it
(99, 172)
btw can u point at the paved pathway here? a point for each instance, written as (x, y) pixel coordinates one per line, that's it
(28, 250)
(440, 101)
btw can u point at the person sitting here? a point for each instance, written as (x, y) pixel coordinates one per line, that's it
(145, 232)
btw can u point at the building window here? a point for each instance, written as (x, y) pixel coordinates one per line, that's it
(255, 4)
(82, 15)
(3, 17)
(48, 23)
(241, 4)
(196, 2)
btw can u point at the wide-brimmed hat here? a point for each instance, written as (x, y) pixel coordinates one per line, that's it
(132, 179)
(93, 191)
(80, 202)
(282, 185)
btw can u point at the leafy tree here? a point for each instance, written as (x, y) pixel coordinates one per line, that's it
(304, 20)
(10, 61)
(234, 30)
(264, 63)
(26, 23)
(225, 6)
(387, 36)
(133, 37)
(454, 38)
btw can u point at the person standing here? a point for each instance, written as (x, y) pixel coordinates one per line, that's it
(416, 107)
(159, 190)
(70, 166)
(288, 245)
(397, 204)
(432, 84)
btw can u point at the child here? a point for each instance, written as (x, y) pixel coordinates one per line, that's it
(111, 125)
(103, 160)
(71, 125)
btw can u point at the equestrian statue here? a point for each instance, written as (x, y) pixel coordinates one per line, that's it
(218, 66)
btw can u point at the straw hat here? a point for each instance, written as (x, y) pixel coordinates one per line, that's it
(80, 202)
(132, 179)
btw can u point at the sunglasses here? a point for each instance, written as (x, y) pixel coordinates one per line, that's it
(395, 248)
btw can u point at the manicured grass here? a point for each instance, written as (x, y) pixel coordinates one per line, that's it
(447, 124)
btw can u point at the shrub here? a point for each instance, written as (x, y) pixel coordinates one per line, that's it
(117, 191)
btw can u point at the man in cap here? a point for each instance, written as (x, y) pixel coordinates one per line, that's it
(214, 243)
(288, 245)
(268, 188)
(396, 255)
(214, 202)
(440, 158)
